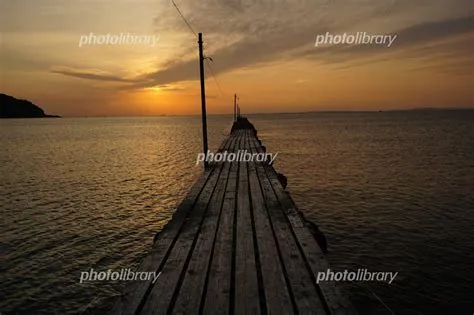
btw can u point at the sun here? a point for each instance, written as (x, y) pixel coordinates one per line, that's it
(156, 89)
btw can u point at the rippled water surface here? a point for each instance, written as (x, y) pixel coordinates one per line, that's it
(391, 191)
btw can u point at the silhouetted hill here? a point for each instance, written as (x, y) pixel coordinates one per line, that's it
(11, 107)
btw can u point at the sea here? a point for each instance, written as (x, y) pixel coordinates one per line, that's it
(392, 191)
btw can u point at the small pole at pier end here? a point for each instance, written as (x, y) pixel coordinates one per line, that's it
(235, 107)
(203, 98)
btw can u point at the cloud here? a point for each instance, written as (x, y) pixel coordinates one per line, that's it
(17, 60)
(166, 87)
(91, 74)
(249, 33)
(447, 40)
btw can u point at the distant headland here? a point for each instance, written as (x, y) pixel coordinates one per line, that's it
(11, 107)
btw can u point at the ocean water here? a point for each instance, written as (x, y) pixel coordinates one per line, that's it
(392, 191)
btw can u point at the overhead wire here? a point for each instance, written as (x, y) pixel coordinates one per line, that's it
(214, 76)
(184, 19)
(195, 34)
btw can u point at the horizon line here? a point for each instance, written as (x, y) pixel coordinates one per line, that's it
(282, 113)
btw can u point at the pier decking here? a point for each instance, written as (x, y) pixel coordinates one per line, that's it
(235, 245)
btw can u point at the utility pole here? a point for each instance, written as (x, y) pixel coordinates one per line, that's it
(235, 107)
(203, 99)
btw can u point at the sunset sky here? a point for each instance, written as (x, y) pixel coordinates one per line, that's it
(261, 49)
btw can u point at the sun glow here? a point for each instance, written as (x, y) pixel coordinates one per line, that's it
(156, 89)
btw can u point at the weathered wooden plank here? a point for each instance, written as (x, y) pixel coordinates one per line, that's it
(161, 295)
(218, 291)
(246, 284)
(276, 291)
(193, 287)
(299, 278)
(135, 293)
(330, 294)
(219, 295)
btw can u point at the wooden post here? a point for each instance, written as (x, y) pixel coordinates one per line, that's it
(203, 99)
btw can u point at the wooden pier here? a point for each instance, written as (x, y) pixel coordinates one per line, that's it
(235, 245)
